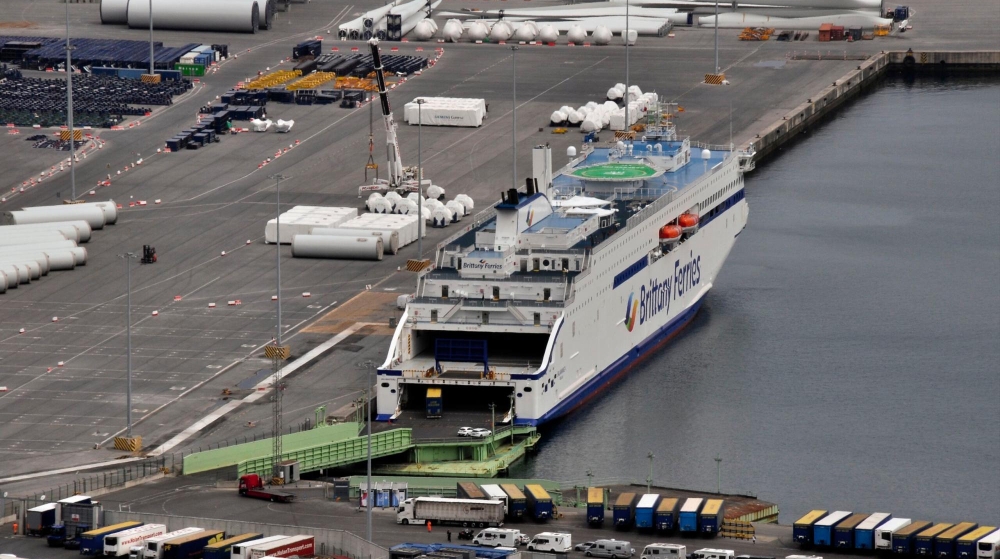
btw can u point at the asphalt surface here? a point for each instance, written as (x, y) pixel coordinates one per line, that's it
(217, 199)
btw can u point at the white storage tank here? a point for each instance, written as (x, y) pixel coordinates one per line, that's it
(93, 215)
(108, 207)
(390, 239)
(79, 230)
(59, 258)
(326, 246)
(243, 16)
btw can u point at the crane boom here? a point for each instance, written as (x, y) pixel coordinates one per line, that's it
(392, 144)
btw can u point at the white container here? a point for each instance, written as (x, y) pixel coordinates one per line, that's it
(390, 239)
(326, 246)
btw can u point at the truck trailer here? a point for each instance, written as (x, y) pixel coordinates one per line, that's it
(539, 502)
(965, 548)
(823, 529)
(864, 533)
(39, 520)
(191, 546)
(595, 506)
(687, 520)
(666, 514)
(299, 546)
(92, 542)
(469, 490)
(645, 511)
(223, 549)
(442, 510)
(945, 544)
(843, 532)
(242, 550)
(902, 539)
(710, 517)
(154, 546)
(116, 545)
(923, 544)
(989, 546)
(517, 503)
(623, 511)
(252, 485)
(883, 534)
(802, 529)
(494, 493)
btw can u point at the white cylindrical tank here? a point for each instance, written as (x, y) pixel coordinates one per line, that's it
(108, 207)
(602, 35)
(41, 259)
(390, 239)
(93, 215)
(242, 16)
(13, 239)
(452, 31)
(576, 35)
(77, 255)
(32, 268)
(441, 217)
(457, 210)
(329, 246)
(501, 31)
(466, 201)
(58, 259)
(36, 244)
(17, 273)
(74, 230)
(114, 11)
(477, 31)
(3, 281)
(548, 33)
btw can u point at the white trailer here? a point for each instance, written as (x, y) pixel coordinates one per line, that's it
(442, 510)
(154, 546)
(242, 550)
(121, 542)
(989, 547)
(494, 493)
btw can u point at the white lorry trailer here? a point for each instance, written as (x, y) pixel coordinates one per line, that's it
(442, 510)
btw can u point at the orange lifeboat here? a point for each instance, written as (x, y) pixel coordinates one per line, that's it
(688, 222)
(670, 234)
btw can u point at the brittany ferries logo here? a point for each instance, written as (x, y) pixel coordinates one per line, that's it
(631, 309)
(657, 295)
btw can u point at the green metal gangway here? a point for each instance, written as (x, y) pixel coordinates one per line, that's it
(334, 454)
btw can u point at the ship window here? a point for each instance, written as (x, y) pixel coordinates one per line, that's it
(385, 385)
(496, 293)
(519, 394)
(393, 391)
(527, 389)
(444, 291)
(546, 293)
(534, 264)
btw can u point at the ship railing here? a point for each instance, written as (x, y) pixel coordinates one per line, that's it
(476, 220)
(713, 147)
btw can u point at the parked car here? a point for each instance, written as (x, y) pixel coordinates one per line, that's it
(465, 431)
(480, 433)
(583, 546)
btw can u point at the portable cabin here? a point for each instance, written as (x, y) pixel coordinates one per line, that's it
(825, 31)
(823, 529)
(945, 544)
(666, 514)
(864, 533)
(843, 532)
(965, 548)
(802, 529)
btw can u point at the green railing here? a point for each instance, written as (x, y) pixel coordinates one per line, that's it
(338, 453)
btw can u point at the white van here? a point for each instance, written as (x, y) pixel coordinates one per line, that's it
(496, 537)
(555, 542)
(615, 549)
(664, 551)
(709, 553)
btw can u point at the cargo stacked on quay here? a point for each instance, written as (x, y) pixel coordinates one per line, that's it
(627, 237)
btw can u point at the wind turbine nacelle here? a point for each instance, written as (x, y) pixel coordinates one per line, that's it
(548, 34)
(424, 30)
(601, 35)
(478, 31)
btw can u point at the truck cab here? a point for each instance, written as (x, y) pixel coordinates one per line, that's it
(249, 482)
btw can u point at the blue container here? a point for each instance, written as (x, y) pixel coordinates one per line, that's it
(687, 520)
(103, 71)
(645, 511)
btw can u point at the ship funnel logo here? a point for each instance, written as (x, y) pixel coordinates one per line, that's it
(631, 309)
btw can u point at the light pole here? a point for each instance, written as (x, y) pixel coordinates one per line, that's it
(277, 250)
(369, 365)
(716, 37)
(649, 480)
(420, 177)
(127, 257)
(151, 66)
(513, 112)
(718, 471)
(69, 109)
(627, 124)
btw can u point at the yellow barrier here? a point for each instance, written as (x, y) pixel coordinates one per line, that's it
(150, 78)
(129, 444)
(77, 135)
(715, 79)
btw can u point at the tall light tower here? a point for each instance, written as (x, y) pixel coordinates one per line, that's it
(513, 112)
(627, 124)
(369, 366)
(420, 178)
(718, 472)
(128, 257)
(277, 352)
(69, 109)
(152, 68)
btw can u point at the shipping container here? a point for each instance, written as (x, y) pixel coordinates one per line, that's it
(494, 493)
(965, 548)
(595, 506)
(645, 511)
(517, 503)
(190, 69)
(223, 549)
(539, 502)
(825, 31)
(923, 543)
(902, 539)
(945, 544)
(823, 529)
(39, 520)
(666, 514)
(883, 534)
(687, 520)
(242, 550)
(864, 533)
(623, 510)
(802, 529)
(843, 532)
(299, 546)
(710, 518)
(92, 542)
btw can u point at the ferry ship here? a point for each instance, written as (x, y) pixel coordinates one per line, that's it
(548, 296)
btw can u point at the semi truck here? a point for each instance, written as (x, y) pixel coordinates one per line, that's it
(802, 529)
(223, 549)
(902, 539)
(823, 529)
(666, 514)
(965, 548)
(923, 544)
(517, 503)
(252, 485)
(442, 510)
(299, 546)
(39, 520)
(191, 546)
(154, 546)
(595, 506)
(883, 534)
(843, 532)
(864, 534)
(687, 520)
(120, 543)
(944, 545)
(469, 490)
(710, 517)
(92, 541)
(242, 550)
(989, 546)
(539, 502)
(645, 511)
(494, 493)
(623, 511)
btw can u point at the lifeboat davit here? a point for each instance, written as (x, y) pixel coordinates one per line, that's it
(688, 222)
(670, 234)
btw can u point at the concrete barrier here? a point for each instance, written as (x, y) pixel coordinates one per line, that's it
(328, 542)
